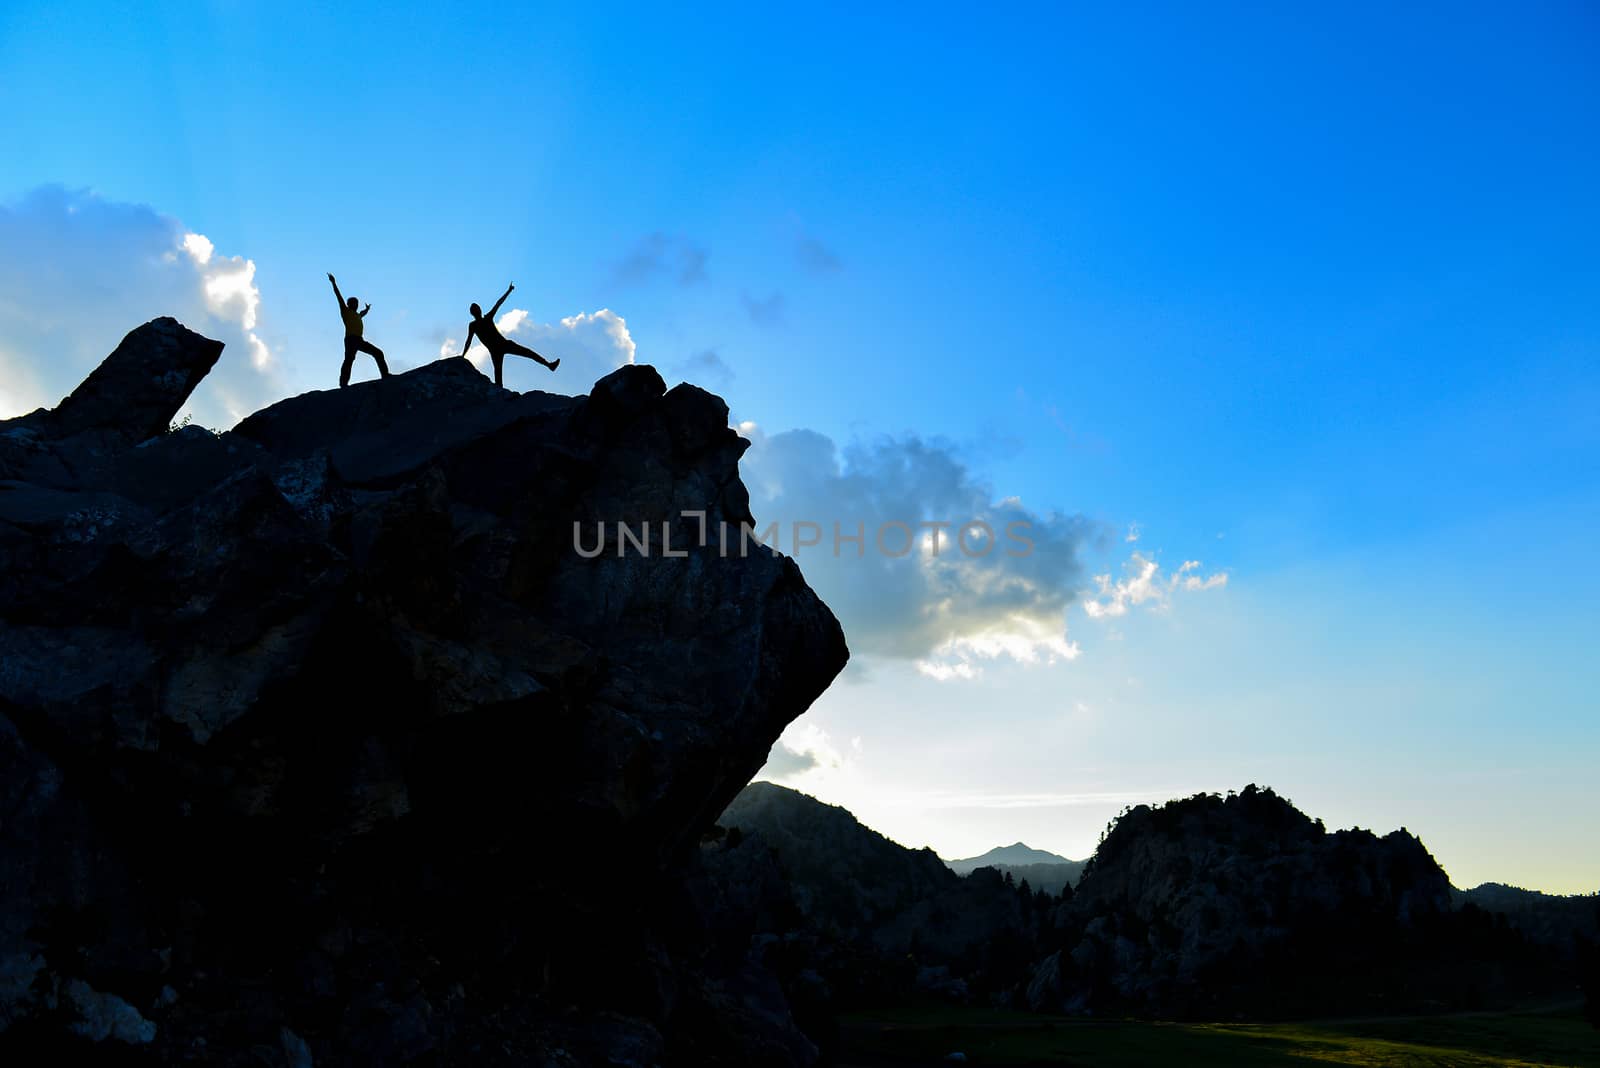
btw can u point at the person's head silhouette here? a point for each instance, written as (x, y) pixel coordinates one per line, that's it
(351, 302)
(477, 312)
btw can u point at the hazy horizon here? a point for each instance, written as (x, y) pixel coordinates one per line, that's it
(951, 858)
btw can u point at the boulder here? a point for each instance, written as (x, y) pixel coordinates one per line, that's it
(323, 728)
(1213, 905)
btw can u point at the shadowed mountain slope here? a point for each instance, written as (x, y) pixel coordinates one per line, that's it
(903, 915)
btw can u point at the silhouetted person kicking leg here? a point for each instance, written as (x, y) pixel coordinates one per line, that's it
(482, 327)
(353, 341)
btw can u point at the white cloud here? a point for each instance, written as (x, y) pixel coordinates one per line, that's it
(1021, 637)
(590, 345)
(198, 246)
(229, 283)
(802, 748)
(1192, 581)
(947, 613)
(1143, 584)
(77, 272)
(944, 670)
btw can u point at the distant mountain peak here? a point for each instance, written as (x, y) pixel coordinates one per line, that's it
(1014, 855)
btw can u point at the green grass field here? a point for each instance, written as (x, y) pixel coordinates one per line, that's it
(925, 1035)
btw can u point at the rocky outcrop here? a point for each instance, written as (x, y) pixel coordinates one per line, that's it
(1221, 904)
(291, 717)
(131, 397)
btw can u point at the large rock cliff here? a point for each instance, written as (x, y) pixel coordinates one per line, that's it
(321, 740)
(1212, 905)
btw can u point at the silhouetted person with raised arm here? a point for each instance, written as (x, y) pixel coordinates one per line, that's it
(482, 327)
(353, 341)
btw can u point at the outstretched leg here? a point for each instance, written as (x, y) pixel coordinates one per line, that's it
(349, 358)
(523, 350)
(375, 352)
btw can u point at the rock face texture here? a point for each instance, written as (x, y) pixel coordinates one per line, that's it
(1217, 904)
(316, 735)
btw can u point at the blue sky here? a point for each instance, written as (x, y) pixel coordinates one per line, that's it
(1310, 297)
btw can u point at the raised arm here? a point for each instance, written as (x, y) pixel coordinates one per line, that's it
(366, 309)
(501, 301)
(470, 328)
(336, 294)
